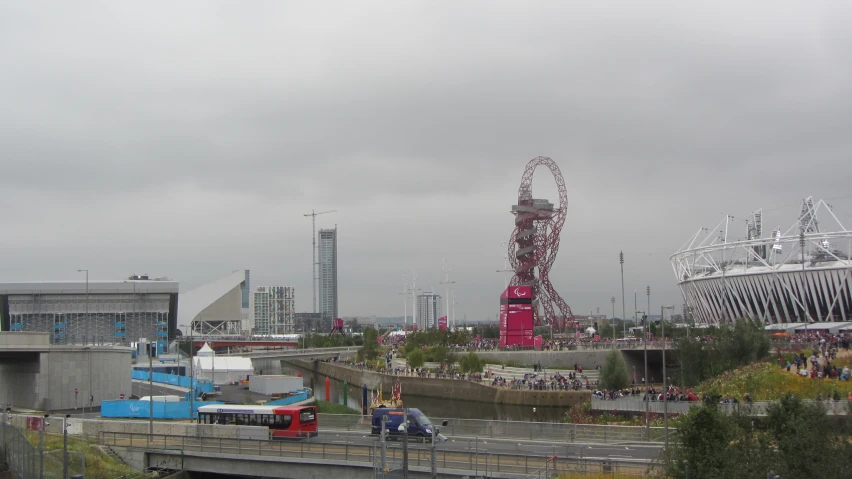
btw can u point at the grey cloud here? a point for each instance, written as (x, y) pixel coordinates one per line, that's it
(192, 137)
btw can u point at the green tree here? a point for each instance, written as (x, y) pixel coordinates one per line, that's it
(470, 363)
(732, 346)
(439, 354)
(370, 349)
(796, 439)
(614, 372)
(705, 435)
(416, 358)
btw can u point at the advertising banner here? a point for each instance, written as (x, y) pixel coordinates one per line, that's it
(442, 323)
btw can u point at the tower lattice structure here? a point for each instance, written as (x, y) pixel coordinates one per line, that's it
(534, 243)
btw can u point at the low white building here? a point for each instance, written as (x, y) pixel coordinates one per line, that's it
(277, 384)
(221, 370)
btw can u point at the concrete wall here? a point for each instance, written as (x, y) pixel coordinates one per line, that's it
(43, 377)
(64, 368)
(446, 388)
(561, 359)
(18, 385)
(279, 467)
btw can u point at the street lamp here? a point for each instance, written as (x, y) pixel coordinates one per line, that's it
(91, 395)
(647, 395)
(191, 371)
(623, 315)
(612, 300)
(665, 387)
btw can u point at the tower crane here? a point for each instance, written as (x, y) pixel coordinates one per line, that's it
(313, 214)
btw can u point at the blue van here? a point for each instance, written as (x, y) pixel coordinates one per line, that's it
(419, 426)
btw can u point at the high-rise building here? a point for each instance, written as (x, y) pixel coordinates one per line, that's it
(429, 309)
(273, 309)
(245, 311)
(328, 273)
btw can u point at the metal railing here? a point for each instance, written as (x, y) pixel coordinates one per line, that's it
(366, 455)
(544, 431)
(757, 408)
(22, 458)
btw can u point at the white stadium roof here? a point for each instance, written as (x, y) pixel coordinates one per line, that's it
(149, 286)
(191, 303)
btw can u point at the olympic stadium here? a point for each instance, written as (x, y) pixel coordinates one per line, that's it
(800, 274)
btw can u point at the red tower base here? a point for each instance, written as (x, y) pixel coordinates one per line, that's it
(516, 317)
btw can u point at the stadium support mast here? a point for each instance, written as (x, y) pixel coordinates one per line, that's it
(447, 282)
(313, 216)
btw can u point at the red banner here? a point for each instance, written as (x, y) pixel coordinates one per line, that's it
(442, 323)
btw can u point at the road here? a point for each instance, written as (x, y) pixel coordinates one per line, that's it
(504, 446)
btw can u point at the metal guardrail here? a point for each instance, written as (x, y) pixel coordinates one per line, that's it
(757, 408)
(533, 431)
(295, 352)
(481, 463)
(23, 459)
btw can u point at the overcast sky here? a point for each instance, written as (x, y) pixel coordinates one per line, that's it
(187, 139)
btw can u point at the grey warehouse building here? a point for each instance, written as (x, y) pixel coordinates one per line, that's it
(93, 312)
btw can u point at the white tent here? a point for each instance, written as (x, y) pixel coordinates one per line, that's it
(205, 351)
(226, 369)
(590, 330)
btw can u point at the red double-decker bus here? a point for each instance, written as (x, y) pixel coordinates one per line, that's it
(284, 422)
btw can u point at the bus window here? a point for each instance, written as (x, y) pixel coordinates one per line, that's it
(283, 421)
(307, 415)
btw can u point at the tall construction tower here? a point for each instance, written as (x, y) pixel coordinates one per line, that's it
(313, 216)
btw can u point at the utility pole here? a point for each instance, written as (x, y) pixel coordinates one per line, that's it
(65, 446)
(150, 392)
(41, 445)
(448, 283)
(404, 427)
(647, 395)
(313, 216)
(648, 292)
(665, 382)
(505, 267)
(612, 300)
(385, 467)
(623, 315)
(404, 294)
(414, 290)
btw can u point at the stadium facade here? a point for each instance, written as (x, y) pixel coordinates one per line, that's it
(798, 275)
(120, 312)
(92, 312)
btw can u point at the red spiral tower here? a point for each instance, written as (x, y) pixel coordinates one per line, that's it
(534, 243)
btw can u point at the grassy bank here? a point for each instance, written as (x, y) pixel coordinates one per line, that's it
(325, 407)
(767, 381)
(98, 465)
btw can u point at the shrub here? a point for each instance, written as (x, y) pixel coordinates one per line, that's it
(614, 372)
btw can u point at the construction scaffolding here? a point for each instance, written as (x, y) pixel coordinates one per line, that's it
(102, 319)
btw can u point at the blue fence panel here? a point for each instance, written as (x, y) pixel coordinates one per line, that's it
(131, 408)
(174, 380)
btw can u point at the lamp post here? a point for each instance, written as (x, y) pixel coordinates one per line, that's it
(623, 316)
(612, 300)
(647, 395)
(191, 371)
(65, 446)
(665, 387)
(91, 395)
(41, 445)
